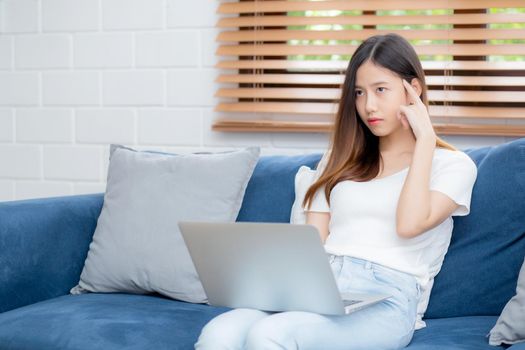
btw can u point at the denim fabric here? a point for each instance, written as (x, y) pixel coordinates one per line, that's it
(386, 325)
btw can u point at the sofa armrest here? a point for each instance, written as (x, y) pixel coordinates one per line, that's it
(43, 246)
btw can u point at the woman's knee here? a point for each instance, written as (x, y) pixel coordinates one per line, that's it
(269, 335)
(228, 330)
(215, 335)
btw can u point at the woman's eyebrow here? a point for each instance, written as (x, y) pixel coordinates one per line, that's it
(374, 84)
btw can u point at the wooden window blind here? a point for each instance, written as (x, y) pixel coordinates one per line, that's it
(282, 62)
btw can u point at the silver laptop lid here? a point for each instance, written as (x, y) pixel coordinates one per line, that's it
(265, 266)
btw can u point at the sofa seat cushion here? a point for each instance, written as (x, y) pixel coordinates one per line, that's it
(127, 321)
(105, 321)
(455, 333)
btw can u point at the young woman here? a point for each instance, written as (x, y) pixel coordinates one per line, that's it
(382, 202)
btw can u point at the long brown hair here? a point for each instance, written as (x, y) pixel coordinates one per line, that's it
(354, 150)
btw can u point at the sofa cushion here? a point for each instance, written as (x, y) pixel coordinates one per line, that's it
(487, 246)
(43, 245)
(510, 328)
(270, 192)
(304, 178)
(105, 321)
(125, 321)
(137, 246)
(467, 333)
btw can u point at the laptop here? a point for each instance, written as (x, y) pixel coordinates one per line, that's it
(269, 267)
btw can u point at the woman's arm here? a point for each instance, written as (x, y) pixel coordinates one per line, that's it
(320, 221)
(420, 209)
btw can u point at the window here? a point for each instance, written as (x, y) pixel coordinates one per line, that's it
(282, 62)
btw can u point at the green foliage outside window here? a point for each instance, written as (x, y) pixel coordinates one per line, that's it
(334, 13)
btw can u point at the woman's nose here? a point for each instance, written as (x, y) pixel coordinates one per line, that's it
(371, 105)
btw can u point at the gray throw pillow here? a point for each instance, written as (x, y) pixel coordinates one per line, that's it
(137, 246)
(510, 327)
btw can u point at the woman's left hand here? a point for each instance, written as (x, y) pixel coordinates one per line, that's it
(415, 115)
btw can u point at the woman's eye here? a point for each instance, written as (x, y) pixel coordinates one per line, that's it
(381, 89)
(358, 93)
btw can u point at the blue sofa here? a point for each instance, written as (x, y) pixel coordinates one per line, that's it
(44, 242)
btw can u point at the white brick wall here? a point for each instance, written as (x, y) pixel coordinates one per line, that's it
(133, 14)
(116, 50)
(78, 75)
(42, 51)
(137, 88)
(6, 52)
(157, 127)
(158, 50)
(71, 88)
(70, 15)
(209, 47)
(20, 161)
(6, 125)
(195, 13)
(6, 190)
(72, 163)
(192, 87)
(44, 125)
(105, 126)
(19, 88)
(19, 16)
(33, 189)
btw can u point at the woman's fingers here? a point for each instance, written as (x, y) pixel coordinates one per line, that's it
(402, 115)
(413, 97)
(415, 114)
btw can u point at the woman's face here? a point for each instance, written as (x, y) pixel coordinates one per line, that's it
(378, 94)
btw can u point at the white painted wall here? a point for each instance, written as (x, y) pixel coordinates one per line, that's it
(77, 75)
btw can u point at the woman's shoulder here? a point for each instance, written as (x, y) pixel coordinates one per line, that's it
(446, 158)
(448, 154)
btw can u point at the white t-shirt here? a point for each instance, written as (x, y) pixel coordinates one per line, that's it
(363, 220)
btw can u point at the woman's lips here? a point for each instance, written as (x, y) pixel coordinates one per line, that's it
(374, 121)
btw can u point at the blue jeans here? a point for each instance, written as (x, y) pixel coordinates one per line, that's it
(386, 325)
